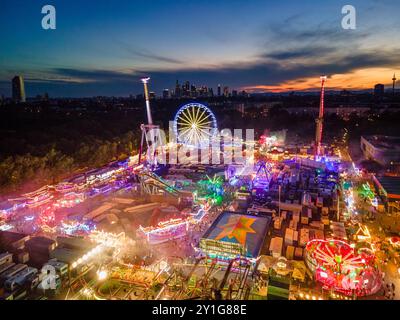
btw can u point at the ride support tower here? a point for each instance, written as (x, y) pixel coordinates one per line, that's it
(320, 120)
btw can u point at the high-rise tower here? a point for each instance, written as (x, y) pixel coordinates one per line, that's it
(150, 132)
(146, 96)
(394, 83)
(18, 89)
(320, 120)
(177, 90)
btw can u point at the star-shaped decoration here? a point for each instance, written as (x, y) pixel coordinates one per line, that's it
(237, 227)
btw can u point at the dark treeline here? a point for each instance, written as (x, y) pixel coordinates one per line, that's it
(40, 145)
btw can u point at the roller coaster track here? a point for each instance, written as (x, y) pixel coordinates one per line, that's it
(151, 183)
(184, 292)
(205, 288)
(241, 292)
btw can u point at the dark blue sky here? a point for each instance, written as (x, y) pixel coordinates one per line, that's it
(103, 47)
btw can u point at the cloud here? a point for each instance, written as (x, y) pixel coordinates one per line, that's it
(93, 75)
(292, 31)
(300, 52)
(264, 72)
(143, 53)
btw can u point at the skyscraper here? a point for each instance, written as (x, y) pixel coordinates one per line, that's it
(165, 94)
(177, 89)
(187, 88)
(152, 95)
(18, 89)
(379, 90)
(193, 91)
(219, 90)
(394, 82)
(226, 91)
(187, 85)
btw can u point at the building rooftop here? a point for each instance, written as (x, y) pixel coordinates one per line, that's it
(41, 240)
(9, 236)
(384, 142)
(246, 230)
(390, 184)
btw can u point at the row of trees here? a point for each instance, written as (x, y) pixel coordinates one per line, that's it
(55, 165)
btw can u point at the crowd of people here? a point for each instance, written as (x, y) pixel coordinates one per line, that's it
(389, 291)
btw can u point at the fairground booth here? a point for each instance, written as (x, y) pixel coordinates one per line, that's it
(234, 235)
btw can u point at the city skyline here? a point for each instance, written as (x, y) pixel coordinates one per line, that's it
(245, 46)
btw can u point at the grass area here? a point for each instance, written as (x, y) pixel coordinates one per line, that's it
(109, 286)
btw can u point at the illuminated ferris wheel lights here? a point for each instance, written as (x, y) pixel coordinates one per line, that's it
(194, 124)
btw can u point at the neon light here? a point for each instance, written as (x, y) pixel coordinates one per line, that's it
(340, 268)
(74, 227)
(194, 124)
(320, 120)
(6, 227)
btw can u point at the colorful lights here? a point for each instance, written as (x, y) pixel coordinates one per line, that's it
(262, 176)
(102, 275)
(341, 268)
(210, 189)
(39, 200)
(395, 241)
(165, 231)
(366, 192)
(349, 199)
(356, 170)
(88, 256)
(363, 233)
(71, 199)
(320, 120)
(194, 124)
(106, 238)
(74, 227)
(5, 227)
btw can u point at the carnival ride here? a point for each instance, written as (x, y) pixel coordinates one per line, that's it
(194, 125)
(150, 131)
(365, 192)
(239, 269)
(251, 175)
(240, 176)
(341, 268)
(264, 170)
(202, 287)
(74, 228)
(47, 220)
(263, 175)
(165, 230)
(209, 285)
(209, 190)
(172, 228)
(151, 183)
(320, 120)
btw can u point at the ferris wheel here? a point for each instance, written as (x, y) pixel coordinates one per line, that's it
(194, 125)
